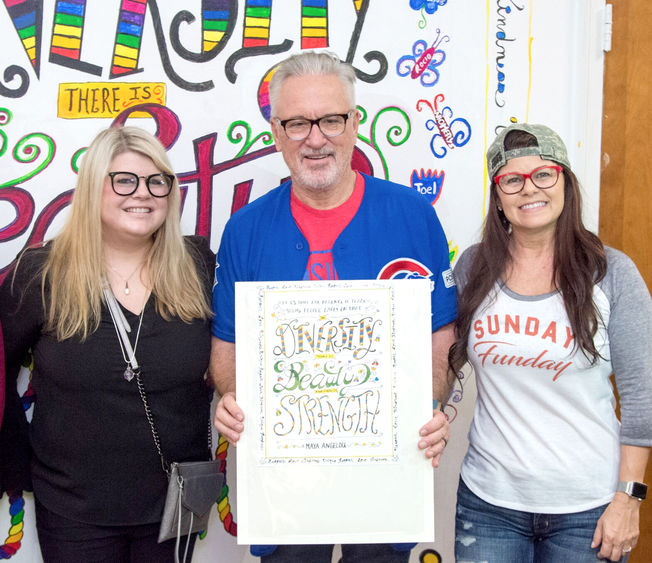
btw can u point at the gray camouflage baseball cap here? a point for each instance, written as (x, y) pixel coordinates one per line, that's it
(551, 147)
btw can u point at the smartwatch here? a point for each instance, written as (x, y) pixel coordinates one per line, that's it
(633, 489)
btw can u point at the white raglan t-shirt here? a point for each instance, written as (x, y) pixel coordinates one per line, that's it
(544, 436)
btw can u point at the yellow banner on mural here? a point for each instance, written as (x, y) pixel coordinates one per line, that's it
(83, 100)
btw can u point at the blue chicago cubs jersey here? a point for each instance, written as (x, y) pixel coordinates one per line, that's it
(394, 234)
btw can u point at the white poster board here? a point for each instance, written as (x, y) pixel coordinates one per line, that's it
(335, 379)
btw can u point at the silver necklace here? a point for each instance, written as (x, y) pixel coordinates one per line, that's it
(122, 327)
(127, 291)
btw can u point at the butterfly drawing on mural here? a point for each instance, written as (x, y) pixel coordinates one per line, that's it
(424, 61)
(449, 132)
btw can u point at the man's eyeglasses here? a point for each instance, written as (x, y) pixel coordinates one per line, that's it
(543, 177)
(331, 125)
(126, 183)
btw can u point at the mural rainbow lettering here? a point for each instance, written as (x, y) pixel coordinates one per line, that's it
(128, 37)
(67, 36)
(218, 22)
(314, 24)
(27, 17)
(258, 17)
(218, 19)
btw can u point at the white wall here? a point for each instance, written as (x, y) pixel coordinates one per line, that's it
(551, 73)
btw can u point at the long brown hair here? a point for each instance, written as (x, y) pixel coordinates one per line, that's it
(579, 263)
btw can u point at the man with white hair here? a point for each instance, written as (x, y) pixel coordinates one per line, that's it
(329, 222)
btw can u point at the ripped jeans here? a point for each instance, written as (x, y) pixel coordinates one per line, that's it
(485, 533)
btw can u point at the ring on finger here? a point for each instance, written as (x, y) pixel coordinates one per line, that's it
(445, 442)
(627, 549)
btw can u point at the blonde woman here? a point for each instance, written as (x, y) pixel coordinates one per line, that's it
(97, 477)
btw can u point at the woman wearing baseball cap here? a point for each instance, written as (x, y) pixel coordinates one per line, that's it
(547, 313)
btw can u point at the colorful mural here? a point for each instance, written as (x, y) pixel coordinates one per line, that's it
(436, 80)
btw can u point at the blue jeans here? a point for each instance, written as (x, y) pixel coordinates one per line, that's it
(491, 534)
(351, 553)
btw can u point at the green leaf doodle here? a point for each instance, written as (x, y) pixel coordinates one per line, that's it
(236, 138)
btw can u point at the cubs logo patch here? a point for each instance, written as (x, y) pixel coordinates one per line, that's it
(408, 269)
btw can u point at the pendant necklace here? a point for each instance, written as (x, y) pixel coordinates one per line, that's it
(127, 291)
(122, 327)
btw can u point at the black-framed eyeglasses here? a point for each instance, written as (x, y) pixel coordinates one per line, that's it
(543, 177)
(126, 183)
(331, 125)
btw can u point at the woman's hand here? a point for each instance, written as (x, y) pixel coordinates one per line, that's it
(434, 436)
(617, 530)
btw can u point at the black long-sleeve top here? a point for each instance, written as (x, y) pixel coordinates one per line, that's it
(93, 457)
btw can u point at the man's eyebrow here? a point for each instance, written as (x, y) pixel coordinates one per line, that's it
(331, 114)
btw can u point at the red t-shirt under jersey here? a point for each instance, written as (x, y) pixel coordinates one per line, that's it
(321, 227)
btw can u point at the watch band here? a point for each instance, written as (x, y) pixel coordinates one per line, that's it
(632, 488)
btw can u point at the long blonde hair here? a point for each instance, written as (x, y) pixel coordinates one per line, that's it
(75, 271)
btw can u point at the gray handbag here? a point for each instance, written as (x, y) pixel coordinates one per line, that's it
(192, 490)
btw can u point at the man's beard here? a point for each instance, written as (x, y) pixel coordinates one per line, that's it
(323, 178)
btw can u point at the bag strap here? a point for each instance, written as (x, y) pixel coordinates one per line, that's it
(120, 323)
(150, 418)
(177, 544)
(152, 424)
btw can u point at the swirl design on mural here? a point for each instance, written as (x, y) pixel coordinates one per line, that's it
(28, 150)
(74, 161)
(237, 137)
(5, 117)
(395, 135)
(450, 410)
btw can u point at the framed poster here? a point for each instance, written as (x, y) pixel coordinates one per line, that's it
(335, 379)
